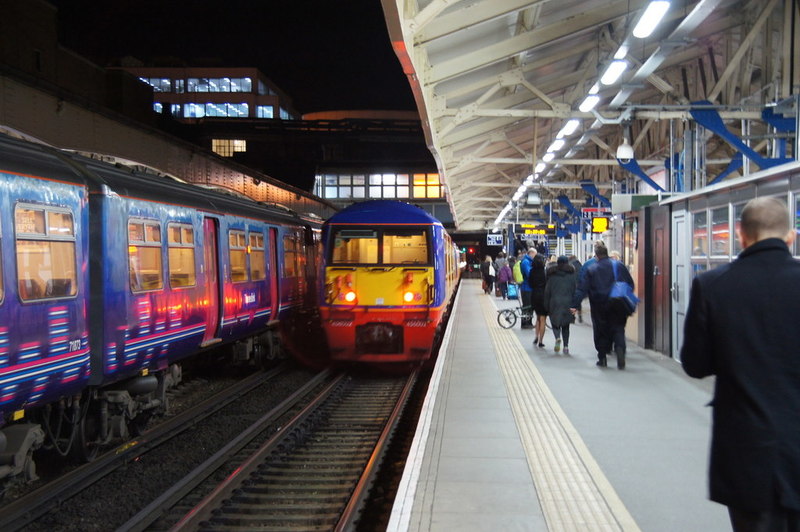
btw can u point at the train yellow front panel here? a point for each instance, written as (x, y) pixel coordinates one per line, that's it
(379, 286)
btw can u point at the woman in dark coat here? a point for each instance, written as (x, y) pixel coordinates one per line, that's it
(537, 281)
(561, 283)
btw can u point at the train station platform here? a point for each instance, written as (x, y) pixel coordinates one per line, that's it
(515, 437)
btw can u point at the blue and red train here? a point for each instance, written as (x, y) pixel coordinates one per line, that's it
(390, 272)
(110, 277)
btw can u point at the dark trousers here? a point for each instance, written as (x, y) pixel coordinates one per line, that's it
(608, 329)
(503, 285)
(778, 520)
(562, 332)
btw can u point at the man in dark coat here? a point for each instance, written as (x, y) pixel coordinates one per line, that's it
(608, 320)
(741, 325)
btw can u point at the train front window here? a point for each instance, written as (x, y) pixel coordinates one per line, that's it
(387, 245)
(46, 266)
(405, 246)
(355, 246)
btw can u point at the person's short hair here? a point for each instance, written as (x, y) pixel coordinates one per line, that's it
(532, 252)
(766, 217)
(600, 250)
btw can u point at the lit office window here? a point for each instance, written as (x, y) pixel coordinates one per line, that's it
(197, 85)
(175, 108)
(241, 85)
(427, 186)
(264, 111)
(158, 108)
(227, 147)
(403, 190)
(219, 85)
(194, 110)
(179, 86)
(285, 114)
(159, 84)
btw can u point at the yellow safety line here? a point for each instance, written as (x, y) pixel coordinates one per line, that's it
(573, 491)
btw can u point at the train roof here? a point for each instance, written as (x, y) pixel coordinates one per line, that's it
(382, 212)
(42, 161)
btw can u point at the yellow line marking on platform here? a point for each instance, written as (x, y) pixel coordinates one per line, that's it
(573, 491)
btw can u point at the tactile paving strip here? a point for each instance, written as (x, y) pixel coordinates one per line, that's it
(573, 491)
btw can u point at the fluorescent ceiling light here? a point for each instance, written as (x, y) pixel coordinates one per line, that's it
(548, 157)
(588, 103)
(569, 128)
(621, 53)
(613, 72)
(556, 145)
(539, 168)
(650, 18)
(595, 89)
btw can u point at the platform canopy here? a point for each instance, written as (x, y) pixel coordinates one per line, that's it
(497, 82)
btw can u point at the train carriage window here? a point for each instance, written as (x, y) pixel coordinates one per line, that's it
(144, 255)
(237, 245)
(180, 242)
(46, 266)
(257, 263)
(405, 246)
(290, 255)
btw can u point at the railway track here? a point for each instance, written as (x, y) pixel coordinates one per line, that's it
(55, 496)
(314, 473)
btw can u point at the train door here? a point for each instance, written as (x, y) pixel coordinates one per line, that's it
(211, 262)
(660, 280)
(680, 279)
(274, 274)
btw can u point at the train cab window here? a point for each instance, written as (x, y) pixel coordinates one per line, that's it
(180, 242)
(45, 239)
(405, 246)
(355, 246)
(257, 263)
(144, 255)
(237, 245)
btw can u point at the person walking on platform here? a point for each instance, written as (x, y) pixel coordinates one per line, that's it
(537, 279)
(608, 320)
(504, 276)
(576, 265)
(561, 283)
(741, 326)
(488, 273)
(525, 291)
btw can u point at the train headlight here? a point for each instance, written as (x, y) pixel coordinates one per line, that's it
(350, 296)
(408, 297)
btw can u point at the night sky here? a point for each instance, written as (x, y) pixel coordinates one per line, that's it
(325, 54)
